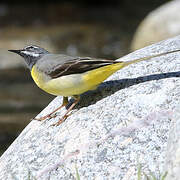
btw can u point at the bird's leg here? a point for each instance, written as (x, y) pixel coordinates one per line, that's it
(65, 102)
(67, 114)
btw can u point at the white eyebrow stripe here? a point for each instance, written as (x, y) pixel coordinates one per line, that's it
(31, 53)
(35, 47)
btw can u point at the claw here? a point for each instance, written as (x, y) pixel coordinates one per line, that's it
(59, 122)
(49, 116)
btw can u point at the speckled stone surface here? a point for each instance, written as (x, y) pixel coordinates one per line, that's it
(124, 122)
(172, 165)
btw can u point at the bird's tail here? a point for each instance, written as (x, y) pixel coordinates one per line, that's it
(126, 63)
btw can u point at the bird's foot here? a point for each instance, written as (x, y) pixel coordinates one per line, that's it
(61, 120)
(49, 116)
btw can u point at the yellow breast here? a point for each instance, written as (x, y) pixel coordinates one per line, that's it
(38, 77)
(74, 84)
(65, 86)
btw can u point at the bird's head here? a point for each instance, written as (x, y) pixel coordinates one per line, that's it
(31, 54)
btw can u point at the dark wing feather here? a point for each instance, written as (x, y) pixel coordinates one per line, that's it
(77, 65)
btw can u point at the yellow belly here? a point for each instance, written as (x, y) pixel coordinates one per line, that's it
(75, 84)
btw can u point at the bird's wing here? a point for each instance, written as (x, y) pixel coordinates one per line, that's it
(60, 65)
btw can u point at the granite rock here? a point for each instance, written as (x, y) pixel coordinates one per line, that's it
(172, 165)
(122, 124)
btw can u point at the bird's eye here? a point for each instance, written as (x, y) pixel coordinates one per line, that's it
(28, 48)
(31, 49)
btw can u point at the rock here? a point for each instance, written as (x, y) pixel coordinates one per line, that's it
(173, 149)
(114, 128)
(162, 23)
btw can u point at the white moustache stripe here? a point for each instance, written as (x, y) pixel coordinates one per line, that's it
(31, 53)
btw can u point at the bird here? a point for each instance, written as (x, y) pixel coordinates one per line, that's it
(68, 76)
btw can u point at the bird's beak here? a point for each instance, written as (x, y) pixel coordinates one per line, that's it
(15, 51)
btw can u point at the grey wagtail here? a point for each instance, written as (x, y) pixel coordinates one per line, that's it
(64, 75)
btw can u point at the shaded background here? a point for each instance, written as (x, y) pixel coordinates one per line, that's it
(101, 29)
